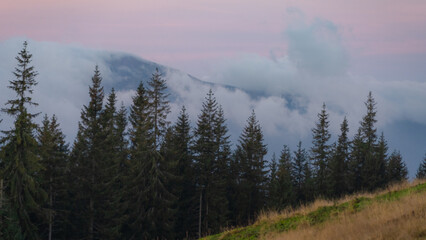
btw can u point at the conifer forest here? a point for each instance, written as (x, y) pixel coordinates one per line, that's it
(130, 173)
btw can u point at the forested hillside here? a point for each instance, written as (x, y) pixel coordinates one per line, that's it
(132, 174)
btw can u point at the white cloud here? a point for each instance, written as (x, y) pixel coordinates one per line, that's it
(64, 76)
(315, 69)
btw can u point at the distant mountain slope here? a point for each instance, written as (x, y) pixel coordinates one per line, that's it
(128, 70)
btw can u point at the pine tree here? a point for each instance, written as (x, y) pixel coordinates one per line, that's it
(273, 192)
(88, 156)
(356, 163)
(370, 168)
(253, 152)
(186, 215)
(321, 153)
(20, 161)
(396, 168)
(339, 162)
(54, 157)
(158, 107)
(116, 165)
(286, 197)
(135, 187)
(300, 174)
(381, 162)
(221, 170)
(210, 152)
(149, 198)
(421, 171)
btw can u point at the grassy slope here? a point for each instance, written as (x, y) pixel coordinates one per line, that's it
(352, 215)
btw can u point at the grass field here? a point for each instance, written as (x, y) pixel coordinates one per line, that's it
(396, 213)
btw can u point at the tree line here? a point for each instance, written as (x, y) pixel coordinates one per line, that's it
(132, 174)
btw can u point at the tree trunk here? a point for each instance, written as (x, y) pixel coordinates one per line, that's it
(91, 209)
(1, 193)
(50, 210)
(199, 216)
(1, 199)
(207, 216)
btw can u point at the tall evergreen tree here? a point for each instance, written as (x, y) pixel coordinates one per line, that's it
(139, 148)
(396, 168)
(370, 167)
(421, 171)
(116, 165)
(176, 151)
(20, 161)
(301, 175)
(356, 163)
(88, 156)
(209, 153)
(186, 215)
(221, 170)
(339, 162)
(253, 151)
(53, 152)
(151, 217)
(158, 107)
(286, 195)
(381, 157)
(321, 153)
(273, 192)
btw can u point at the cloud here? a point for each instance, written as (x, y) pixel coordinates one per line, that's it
(64, 75)
(315, 70)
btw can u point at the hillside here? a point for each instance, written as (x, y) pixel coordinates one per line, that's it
(397, 213)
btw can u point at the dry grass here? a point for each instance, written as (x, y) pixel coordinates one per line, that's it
(398, 212)
(272, 216)
(401, 219)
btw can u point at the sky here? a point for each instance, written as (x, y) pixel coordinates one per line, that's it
(315, 52)
(193, 35)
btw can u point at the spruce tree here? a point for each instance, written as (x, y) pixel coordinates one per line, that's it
(339, 162)
(158, 107)
(210, 152)
(381, 159)
(139, 146)
(356, 163)
(299, 171)
(20, 160)
(286, 197)
(421, 171)
(221, 170)
(396, 168)
(371, 164)
(158, 169)
(273, 193)
(186, 215)
(116, 165)
(150, 201)
(54, 157)
(253, 152)
(88, 160)
(321, 153)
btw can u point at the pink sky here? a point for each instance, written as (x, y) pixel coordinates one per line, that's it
(179, 33)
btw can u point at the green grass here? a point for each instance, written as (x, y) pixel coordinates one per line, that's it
(318, 216)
